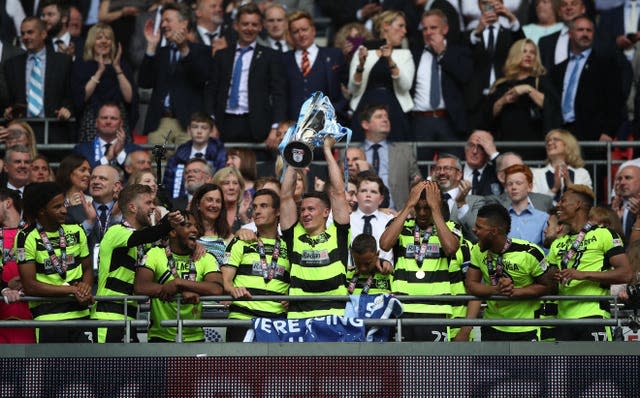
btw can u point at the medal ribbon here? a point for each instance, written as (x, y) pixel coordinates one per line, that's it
(573, 250)
(171, 263)
(59, 263)
(269, 271)
(419, 254)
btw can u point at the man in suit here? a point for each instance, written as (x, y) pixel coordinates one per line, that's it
(414, 13)
(177, 72)
(275, 25)
(590, 86)
(17, 165)
(27, 74)
(104, 188)
(497, 29)
(109, 146)
(55, 15)
(394, 162)
(211, 29)
(628, 187)
(554, 48)
(479, 153)
(442, 71)
(246, 91)
(6, 51)
(197, 172)
(310, 68)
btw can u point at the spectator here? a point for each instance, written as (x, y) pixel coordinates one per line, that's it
(17, 165)
(415, 13)
(175, 269)
(248, 103)
(40, 170)
(109, 146)
(138, 43)
(55, 15)
(242, 280)
(210, 212)
(349, 38)
(244, 160)
(75, 23)
(383, 75)
(507, 267)
(104, 187)
(394, 162)
(447, 173)
(137, 160)
(197, 172)
(628, 187)
(564, 165)
(26, 74)
(547, 21)
(423, 247)
(121, 15)
(8, 51)
(236, 199)
(275, 25)
(19, 132)
(73, 176)
(147, 178)
(490, 41)
(479, 169)
(10, 282)
(101, 76)
(201, 146)
(15, 14)
(443, 69)
(211, 28)
(527, 222)
(177, 73)
(42, 273)
(524, 100)
(554, 48)
(602, 262)
(356, 161)
(472, 11)
(310, 68)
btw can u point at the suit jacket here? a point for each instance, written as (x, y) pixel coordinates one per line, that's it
(598, 102)
(326, 73)
(483, 62)
(8, 51)
(414, 13)
(57, 81)
(87, 150)
(225, 30)
(403, 167)
(184, 81)
(489, 183)
(456, 70)
(547, 49)
(267, 98)
(611, 25)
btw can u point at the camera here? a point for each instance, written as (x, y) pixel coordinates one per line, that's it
(633, 291)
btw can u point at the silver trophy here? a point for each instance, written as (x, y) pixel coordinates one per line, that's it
(316, 121)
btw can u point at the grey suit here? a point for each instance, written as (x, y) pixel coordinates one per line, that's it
(403, 167)
(475, 202)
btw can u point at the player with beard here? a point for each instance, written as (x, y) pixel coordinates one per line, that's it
(174, 269)
(423, 248)
(508, 267)
(122, 250)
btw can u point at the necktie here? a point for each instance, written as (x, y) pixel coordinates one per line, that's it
(569, 95)
(212, 36)
(367, 229)
(446, 196)
(35, 88)
(234, 96)
(103, 216)
(198, 155)
(278, 46)
(434, 94)
(475, 184)
(106, 149)
(491, 41)
(57, 43)
(375, 159)
(305, 65)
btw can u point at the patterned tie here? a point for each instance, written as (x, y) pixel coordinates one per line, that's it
(234, 96)
(569, 95)
(375, 159)
(306, 65)
(35, 88)
(367, 229)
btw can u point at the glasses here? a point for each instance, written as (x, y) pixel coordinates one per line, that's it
(446, 169)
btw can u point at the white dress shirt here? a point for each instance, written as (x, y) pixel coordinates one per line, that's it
(378, 225)
(243, 102)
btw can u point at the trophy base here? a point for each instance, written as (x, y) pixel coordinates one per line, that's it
(298, 154)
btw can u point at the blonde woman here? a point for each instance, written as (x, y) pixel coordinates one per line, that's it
(236, 200)
(564, 165)
(103, 76)
(383, 74)
(523, 104)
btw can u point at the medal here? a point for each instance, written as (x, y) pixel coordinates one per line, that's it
(420, 274)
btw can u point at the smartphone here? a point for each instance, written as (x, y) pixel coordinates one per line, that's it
(374, 44)
(488, 7)
(355, 41)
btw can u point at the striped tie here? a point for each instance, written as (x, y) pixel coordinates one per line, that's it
(35, 88)
(306, 65)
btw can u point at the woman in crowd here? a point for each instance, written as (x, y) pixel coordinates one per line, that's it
(102, 76)
(350, 37)
(236, 200)
(547, 13)
(121, 16)
(564, 165)
(40, 170)
(383, 75)
(244, 160)
(523, 104)
(73, 175)
(210, 211)
(146, 177)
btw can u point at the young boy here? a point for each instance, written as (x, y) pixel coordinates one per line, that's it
(201, 145)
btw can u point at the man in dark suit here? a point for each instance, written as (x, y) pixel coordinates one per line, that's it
(490, 42)
(39, 68)
(104, 188)
(554, 48)
(275, 28)
(414, 13)
(324, 67)
(246, 90)
(176, 72)
(6, 51)
(55, 15)
(211, 28)
(479, 169)
(109, 146)
(442, 70)
(590, 86)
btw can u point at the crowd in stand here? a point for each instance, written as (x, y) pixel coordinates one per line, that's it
(209, 73)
